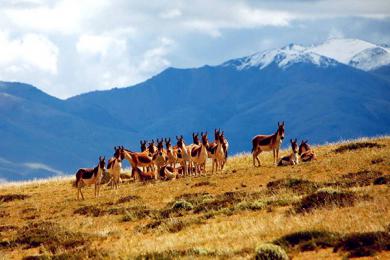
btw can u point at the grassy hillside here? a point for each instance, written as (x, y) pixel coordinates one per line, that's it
(334, 207)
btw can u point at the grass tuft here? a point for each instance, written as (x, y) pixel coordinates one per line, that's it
(325, 197)
(357, 146)
(12, 197)
(270, 252)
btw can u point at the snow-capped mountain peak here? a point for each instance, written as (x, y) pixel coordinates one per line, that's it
(353, 52)
(283, 57)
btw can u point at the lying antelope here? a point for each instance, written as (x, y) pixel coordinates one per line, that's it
(291, 159)
(306, 153)
(90, 176)
(168, 173)
(114, 167)
(272, 143)
(199, 154)
(143, 176)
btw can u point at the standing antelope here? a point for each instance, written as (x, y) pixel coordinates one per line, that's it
(183, 156)
(212, 148)
(138, 159)
(172, 156)
(160, 157)
(262, 143)
(291, 159)
(114, 167)
(306, 153)
(199, 154)
(225, 146)
(219, 156)
(90, 176)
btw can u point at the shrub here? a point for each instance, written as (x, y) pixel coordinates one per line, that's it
(182, 204)
(254, 205)
(325, 197)
(382, 180)
(127, 199)
(308, 240)
(364, 244)
(12, 197)
(270, 252)
(296, 185)
(357, 146)
(361, 178)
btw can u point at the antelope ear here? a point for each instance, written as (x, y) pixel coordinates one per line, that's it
(291, 141)
(177, 138)
(306, 141)
(181, 136)
(169, 139)
(296, 140)
(282, 123)
(278, 124)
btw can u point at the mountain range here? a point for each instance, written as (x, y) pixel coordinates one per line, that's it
(336, 90)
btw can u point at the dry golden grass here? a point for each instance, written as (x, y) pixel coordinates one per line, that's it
(213, 225)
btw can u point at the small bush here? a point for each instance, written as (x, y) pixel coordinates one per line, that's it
(90, 211)
(128, 199)
(203, 183)
(3, 214)
(364, 244)
(7, 228)
(270, 252)
(51, 236)
(254, 205)
(382, 180)
(12, 197)
(357, 146)
(308, 240)
(182, 204)
(325, 197)
(296, 185)
(377, 160)
(361, 178)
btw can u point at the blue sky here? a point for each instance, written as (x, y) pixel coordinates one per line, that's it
(67, 47)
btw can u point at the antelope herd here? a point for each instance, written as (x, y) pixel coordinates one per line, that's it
(155, 162)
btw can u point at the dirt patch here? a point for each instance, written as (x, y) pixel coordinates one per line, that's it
(128, 199)
(326, 197)
(204, 183)
(299, 186)
(364, 244)
(357, 146)
(12, 197)
(359, 179)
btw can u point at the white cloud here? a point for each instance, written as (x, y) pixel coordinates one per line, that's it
(41, 166)
(99, 44)
(170, 14)
(28, 52)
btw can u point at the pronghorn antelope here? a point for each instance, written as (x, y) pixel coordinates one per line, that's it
(138, 159)
(306, 153)
(90, 176)
(160, 157)
(225, 146)
(114, 166)
(143, 176)
(212, 148)
(171, 155)
(168, 173)
(291, 159)
(143, 145)
(219, 157)
(183, 156)
(272, 143)
(199, 154)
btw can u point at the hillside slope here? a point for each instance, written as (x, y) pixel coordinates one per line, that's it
(225, 215)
